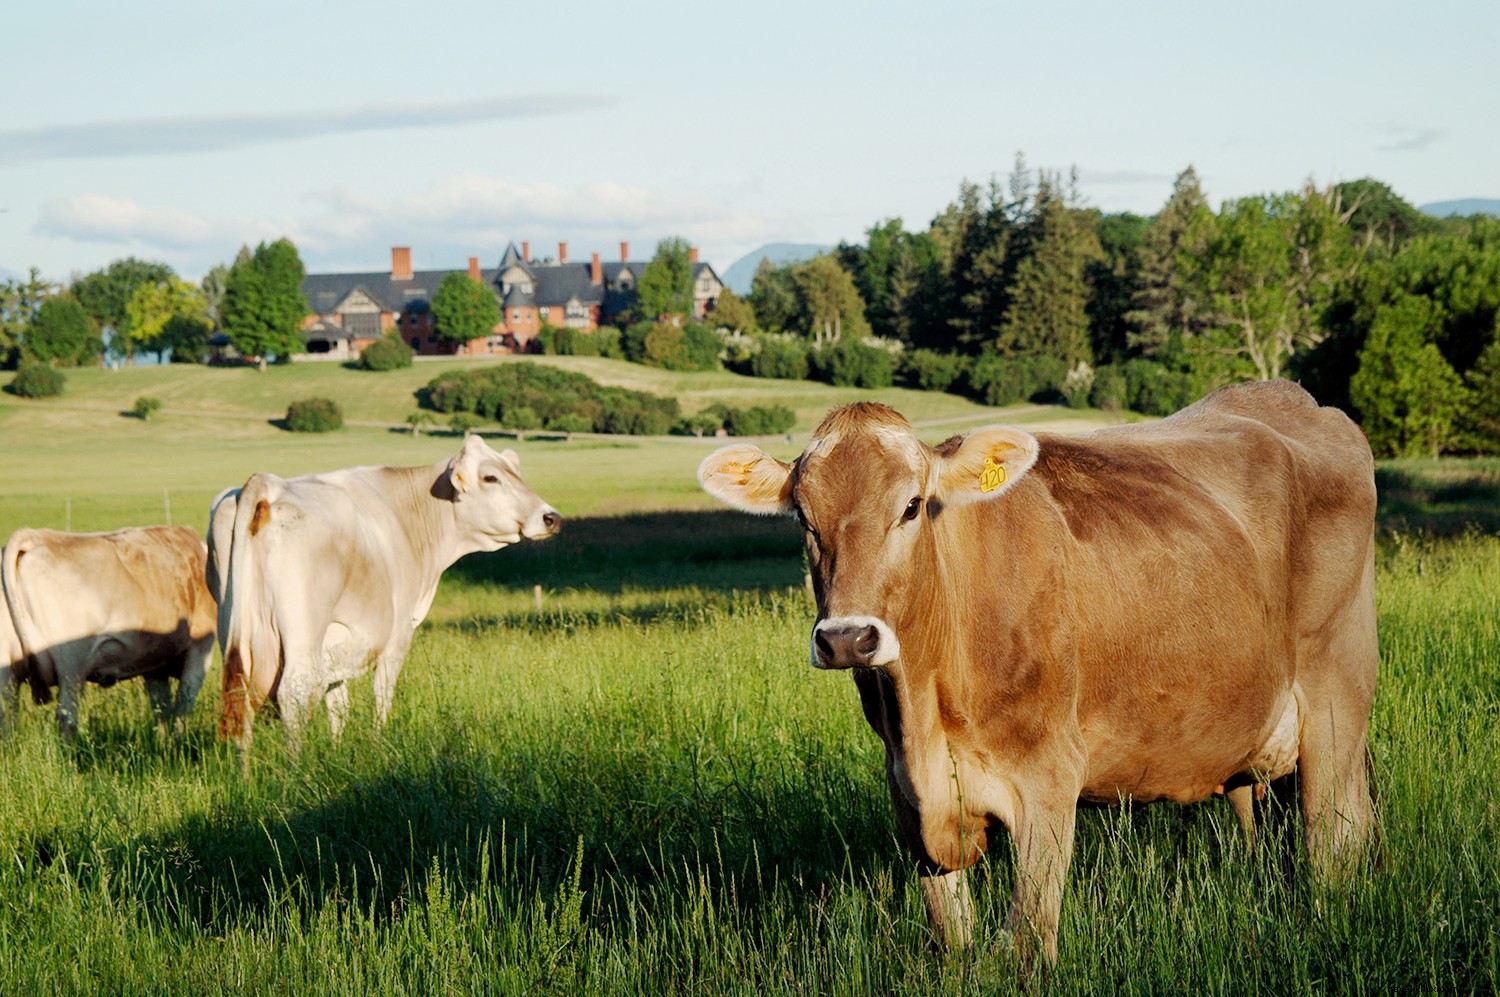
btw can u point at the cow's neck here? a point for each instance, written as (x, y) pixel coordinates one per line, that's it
(429, 521)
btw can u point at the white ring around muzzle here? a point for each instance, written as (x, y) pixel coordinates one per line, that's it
(887, 651)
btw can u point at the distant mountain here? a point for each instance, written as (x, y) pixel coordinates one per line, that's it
(1466, 206)
(742, 271)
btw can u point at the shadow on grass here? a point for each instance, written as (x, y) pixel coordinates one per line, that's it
(1452, 500)
(723, 550)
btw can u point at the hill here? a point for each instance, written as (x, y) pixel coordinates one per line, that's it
(1463, 207)
(742, 271)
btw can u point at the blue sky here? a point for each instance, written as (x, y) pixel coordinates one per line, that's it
(179, 131)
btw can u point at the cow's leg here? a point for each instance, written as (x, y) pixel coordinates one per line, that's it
(159, 694)
(69, 691)
(10, 696)
(1043, 838)
(387, 670)
(1242, 802)
(1337, 679)
(194, 670)
(298, 695)
(950, 912)
(336, 699)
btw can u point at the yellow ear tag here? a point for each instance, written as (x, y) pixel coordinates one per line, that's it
(992, 477)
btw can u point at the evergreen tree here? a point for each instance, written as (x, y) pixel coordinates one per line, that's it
(1177, 234)
(463, 309)
(263, 304)
(19, 303)
(1115, 280)
(1049, 297)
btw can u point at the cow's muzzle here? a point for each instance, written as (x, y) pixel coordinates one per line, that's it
(854, 642)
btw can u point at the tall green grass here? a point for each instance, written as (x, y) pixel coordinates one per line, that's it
(643, 787)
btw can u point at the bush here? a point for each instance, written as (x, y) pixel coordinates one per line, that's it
(389, 352)
(37, 381)
(780, 356)
(521, 418)
(852, 363)
(607, 341)
(314, 415)
(997, 380)
(1111, 391)
(930, 370)
(1078, 385)
(572, 422)
(462, 422)
(759, 420)
(498, 392)
(685, 347)
(145, 407)
(1155, 389)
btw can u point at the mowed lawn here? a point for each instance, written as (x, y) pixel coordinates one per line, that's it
(641, 787)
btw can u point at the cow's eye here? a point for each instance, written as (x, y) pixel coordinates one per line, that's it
(912, 508)
(491, 479)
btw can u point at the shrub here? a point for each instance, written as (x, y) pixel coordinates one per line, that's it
(314, 415)
(462, 422)
(997, 380)
(550, 394)
(145, 407)
(704, 423)
(1110, 391)
(521, 418)
(852, 363)
(780, 356)
(572, 422)
(607, 341)
(37, 381)
(930, 370)
(389, 352)
(1155, 389)
(760, 420)
(686, 347)
(1078, 385)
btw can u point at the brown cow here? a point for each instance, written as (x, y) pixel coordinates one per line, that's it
(100, 607)
(1151, 611)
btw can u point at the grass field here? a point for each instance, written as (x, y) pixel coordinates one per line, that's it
(642, 787)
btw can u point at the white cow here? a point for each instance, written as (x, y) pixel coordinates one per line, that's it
(100, 607)
(324, 578)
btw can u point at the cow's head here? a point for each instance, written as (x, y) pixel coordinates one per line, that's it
(869, 496)
(492, 501)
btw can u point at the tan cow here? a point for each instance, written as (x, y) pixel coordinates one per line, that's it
(100, 607)
(1154, 611)
(324, 578)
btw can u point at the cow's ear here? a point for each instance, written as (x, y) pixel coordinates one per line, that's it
(463, 469)
(986, 464)
(747, 478)
(512, 458)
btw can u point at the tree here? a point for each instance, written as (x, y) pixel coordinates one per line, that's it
(149, 312)
(828, 300)
(187, 337)
(19, 303)
(1163, 307)
(773, 295)
(1048, 314)
(1480, 420)
(463, 309)
(62, 334)
(1407, 395)
(733, 312)
(105, 293)
(1115, 280)
(666, 288)
(263, 304)
(215, 282)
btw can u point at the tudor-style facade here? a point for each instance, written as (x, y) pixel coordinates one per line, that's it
(351, 311)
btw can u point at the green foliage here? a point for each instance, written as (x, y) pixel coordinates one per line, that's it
(828, 303)
(314, 415)
(1153, 388)
(62, 334)
(760, 420)
(550, 394)
(521, 418)
(19, 303)
(930, 370)
(1480, 420)
(999, 380)
(780, 355)
(1111, 391)
(187, 337)
(1078, 385)
(666, 288)
(1048, 310)
(1407, 396)
(263, 305)
(773, 297)
(145, 407)
(389, 352)
(464, 422)
(689, 346)
(152, 309)
(463, 309)
(570, 423)
(850, 363)
(37, 381)
(105, 294)
(733, 312)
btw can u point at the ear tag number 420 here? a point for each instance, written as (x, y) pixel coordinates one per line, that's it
(992, 477)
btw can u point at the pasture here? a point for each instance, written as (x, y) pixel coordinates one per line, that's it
(641, 787)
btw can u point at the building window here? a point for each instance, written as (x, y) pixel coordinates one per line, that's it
(362, 325)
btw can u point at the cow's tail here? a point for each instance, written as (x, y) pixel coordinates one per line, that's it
(251, 642)
(36, 658)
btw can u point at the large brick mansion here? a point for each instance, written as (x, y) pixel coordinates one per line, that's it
(349, 311)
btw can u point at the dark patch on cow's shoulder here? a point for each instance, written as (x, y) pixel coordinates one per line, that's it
(1116, 487)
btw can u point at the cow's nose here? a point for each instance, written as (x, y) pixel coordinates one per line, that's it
(551, 520)
(846, 647)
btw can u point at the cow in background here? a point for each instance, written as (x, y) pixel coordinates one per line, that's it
(324, 578)
(1158, 611)
(101, 607)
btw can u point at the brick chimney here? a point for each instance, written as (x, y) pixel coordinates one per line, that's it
(693, 255)
(400, 263)
(562, 252)
(596, 272)
(474, 267)
(525, 252)
(624, 252)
